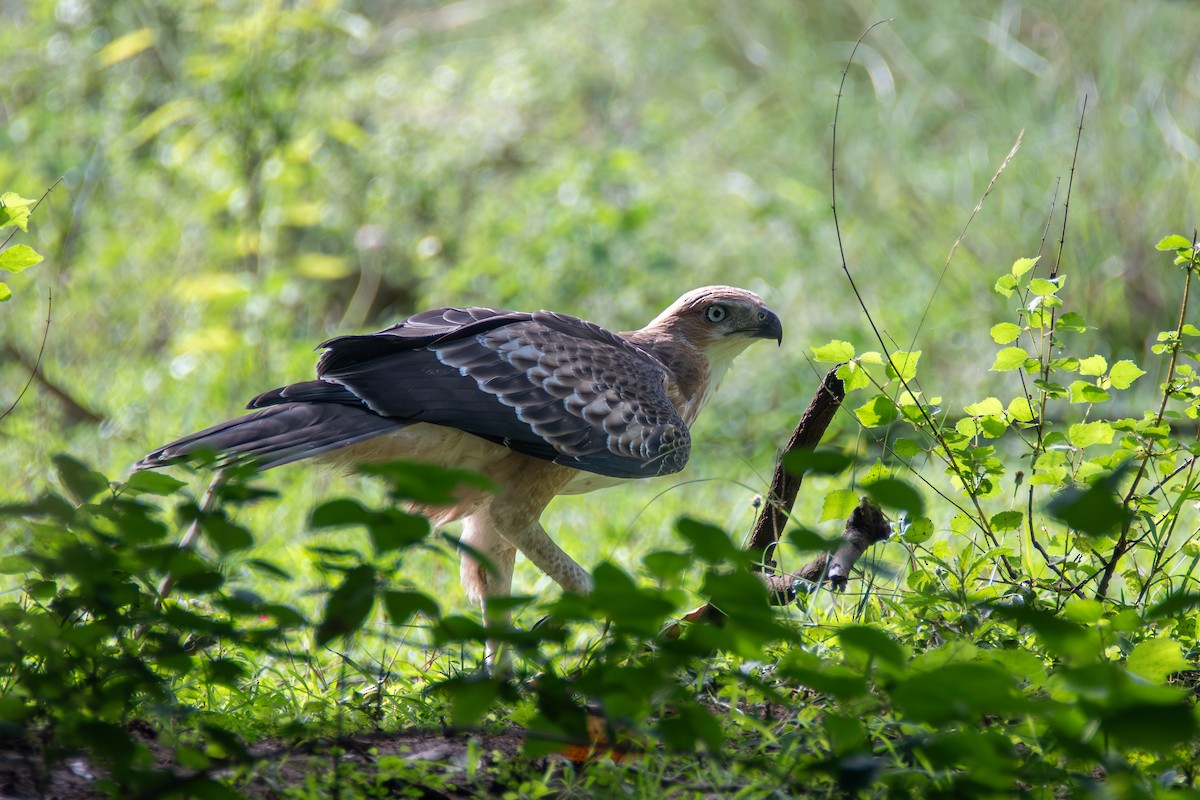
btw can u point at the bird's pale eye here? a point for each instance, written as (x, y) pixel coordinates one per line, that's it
(716, 313)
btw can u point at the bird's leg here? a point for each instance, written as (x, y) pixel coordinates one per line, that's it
(533, 541)
(493, 579)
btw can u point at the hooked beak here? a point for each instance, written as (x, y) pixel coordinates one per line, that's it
(769, 326)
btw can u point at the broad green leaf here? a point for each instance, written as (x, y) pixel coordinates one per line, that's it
(1020, 409)
(817, 462)
(1044, 288)
(834, 352)
(838, 504)
(403, 606)
(709, 543)
(960, 692)
(920, 531)
(5, 292)
(19, 258)
(78, 478)
(1007, 521)
(1084, 392)
(853, 376)
(904, 364)
(226, 536)
(1023, 265)
(1093, 511)
(1093, 365)
(1005, 285)
(150, 482)
(1072, 321)
(1005, 332)
(1010, 358)
(14, 210)
(1155, 659)
(348, 605)
(1174, 242)
(873, 642)
(879, 410)
(1150, 726)
(989, 406)
(1085, 434)
(907, 448)
(895, 493)
(470, 698)
(1124, 373)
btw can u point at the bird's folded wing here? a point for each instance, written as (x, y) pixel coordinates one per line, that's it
(543, 384)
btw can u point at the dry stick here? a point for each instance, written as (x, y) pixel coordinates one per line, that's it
(38, 362)
(784, 486)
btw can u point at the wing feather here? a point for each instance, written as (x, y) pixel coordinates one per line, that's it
(544, 384)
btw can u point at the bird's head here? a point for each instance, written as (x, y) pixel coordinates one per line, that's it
(720, 320)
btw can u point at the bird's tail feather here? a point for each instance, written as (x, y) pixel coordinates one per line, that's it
(279, 435)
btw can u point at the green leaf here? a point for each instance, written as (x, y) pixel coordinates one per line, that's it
(958, 692)
(19, 258)
(989, 406)
(1093, 511)
(919, 531)
(895, 493)
(879, 410)
(834, 352)
(873, 642)
(903, 364)
(226, 536)
(1093, 365)
(838, 504)
(348, 605)
(853, 376)
(403, 606)
(907, 448)
(78, 478)
(1173, 242)
(1175, 605)
(817, 462)
(1072, 321)
(1045, 288)
(1155, 659)
(1005, 332)
(14, 210)
(1124, 373)
(1084, 392)
(1010, 358)
(1023, 265)
(1020, 410)
(1006, 284)
(1085, 434)
(1150, 726)
(471, 698)
(156, 483)
(1007, 521)
(710, 543)
(5, 292)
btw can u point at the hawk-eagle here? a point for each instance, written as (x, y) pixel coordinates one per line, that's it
(540, 403)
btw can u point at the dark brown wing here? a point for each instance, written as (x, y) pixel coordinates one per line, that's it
(544, 384)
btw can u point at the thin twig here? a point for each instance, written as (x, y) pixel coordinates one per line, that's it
(38, 361)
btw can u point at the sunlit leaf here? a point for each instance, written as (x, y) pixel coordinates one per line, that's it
(126, 46)
(19, 258)
(1155, 659)
(833, 352)
(1005, 332)
(1010, 358)
(1124, 373)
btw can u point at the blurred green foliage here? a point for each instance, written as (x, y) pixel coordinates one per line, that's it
(244, 178)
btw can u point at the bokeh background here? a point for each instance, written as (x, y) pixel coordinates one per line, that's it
(242, 180)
